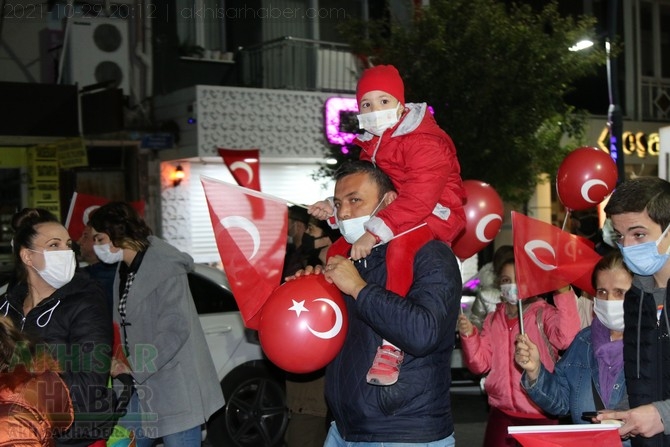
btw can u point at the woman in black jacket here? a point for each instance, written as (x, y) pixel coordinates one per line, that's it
(67, 313)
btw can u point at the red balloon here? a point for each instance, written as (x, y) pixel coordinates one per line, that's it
(303, 324)
(586, 176)
(483, 218)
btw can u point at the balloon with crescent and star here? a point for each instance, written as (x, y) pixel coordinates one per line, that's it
(483, 218)
(303, 324)
(585, 178)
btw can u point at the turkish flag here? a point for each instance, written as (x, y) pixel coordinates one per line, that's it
(252, 248)
(547, 258)
(593, 435)
(244, 165)
(82, 205)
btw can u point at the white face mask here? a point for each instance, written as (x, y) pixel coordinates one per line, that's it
(377, 122)
(509, 293)
(106, 255)
(610, 313)
(59, 267)
(354, 228)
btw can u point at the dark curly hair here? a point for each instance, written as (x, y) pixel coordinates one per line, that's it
(122, 223)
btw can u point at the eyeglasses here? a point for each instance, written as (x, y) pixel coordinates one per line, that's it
(616, 294)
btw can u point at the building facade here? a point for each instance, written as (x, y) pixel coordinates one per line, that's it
(164, 84)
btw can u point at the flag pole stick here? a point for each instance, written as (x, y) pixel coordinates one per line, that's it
(521, 328)
(398, 235)
(297, 204)
(567, 216)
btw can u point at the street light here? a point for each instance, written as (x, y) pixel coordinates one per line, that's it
(614, 116)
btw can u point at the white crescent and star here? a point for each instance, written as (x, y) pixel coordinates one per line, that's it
(245, 167)
(87, 212)
(483, 223)
(246, 225)
(530, 248)
(299, 306)
(586, 188)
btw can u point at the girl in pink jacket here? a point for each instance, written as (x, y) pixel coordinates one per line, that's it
(492, 351)
(405, 142)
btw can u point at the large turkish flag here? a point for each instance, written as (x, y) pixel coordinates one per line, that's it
(250, 229)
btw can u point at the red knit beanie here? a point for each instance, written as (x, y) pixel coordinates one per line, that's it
(382, 77)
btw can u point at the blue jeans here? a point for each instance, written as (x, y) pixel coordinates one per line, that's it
(187, 438)
(191, 437)
(335, 440)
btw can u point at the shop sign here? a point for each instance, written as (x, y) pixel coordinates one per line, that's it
(634, 143)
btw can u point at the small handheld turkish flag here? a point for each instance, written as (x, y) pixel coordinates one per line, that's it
(593, 435)
(547, 258)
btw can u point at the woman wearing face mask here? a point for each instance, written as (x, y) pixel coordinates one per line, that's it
(66, 311)
(492, 350)
(589, 376)
(176, 382)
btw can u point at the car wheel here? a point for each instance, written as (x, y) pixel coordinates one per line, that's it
(255, 414)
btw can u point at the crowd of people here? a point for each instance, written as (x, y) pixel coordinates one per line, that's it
(59, 355)
(67, 334)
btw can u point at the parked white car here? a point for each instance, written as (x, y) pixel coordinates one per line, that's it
(255, 414)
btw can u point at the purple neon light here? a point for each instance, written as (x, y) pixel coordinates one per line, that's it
(333, 108)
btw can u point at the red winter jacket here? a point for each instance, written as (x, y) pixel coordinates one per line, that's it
(421, 160)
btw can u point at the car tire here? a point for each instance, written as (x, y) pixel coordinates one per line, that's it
(255, 414)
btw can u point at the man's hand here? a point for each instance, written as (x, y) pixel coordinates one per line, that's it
(465, 327)
(322, 210)
(363, 246)
(643, 420)
(341, 272)
(527, 356)
(309, 270)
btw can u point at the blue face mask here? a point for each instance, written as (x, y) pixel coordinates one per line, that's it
(644, 259)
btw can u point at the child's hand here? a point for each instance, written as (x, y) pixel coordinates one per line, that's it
(322, 210)
(363, 246)
(527, 356)
(465, 326)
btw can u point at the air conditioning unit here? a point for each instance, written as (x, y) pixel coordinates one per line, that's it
(98, 51)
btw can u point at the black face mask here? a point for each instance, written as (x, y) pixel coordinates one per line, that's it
(307, 242)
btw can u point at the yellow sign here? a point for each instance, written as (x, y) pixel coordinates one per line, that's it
(637, 143)
(72, 153)
(12, 157)
(43, 185)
